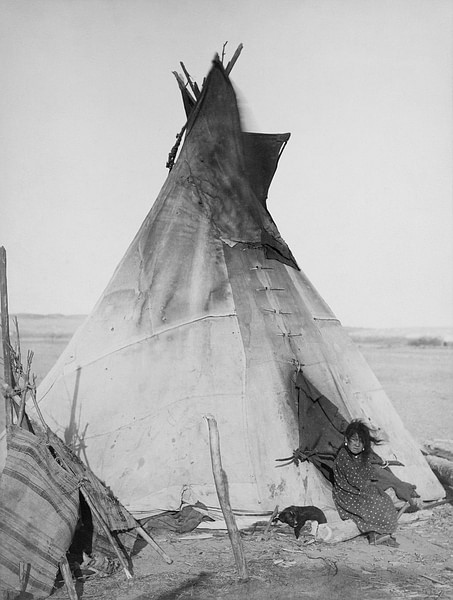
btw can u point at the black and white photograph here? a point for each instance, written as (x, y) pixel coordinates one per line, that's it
(226, 293)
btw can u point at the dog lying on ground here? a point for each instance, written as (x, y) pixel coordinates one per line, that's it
(297, 516)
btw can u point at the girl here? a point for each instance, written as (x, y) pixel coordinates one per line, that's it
(355, 495)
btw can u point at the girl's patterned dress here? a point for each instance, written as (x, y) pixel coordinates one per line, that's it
(357, 498)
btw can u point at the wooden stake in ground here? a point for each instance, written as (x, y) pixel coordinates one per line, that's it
(8, 374)
(221, 484)
(269, 523)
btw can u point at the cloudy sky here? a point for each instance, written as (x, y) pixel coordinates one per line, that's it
(89, 110)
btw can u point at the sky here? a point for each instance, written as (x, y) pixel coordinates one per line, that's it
(89, 110)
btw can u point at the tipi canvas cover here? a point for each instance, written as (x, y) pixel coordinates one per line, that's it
(208, 313)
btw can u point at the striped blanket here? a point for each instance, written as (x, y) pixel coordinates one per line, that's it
(39, 508)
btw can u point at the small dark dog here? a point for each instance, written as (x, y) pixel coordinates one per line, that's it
(297, 516)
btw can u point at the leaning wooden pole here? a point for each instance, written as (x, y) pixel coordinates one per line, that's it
(65, 570)
(95, 512)
(8, 373)
(232, 62)
(221, 484)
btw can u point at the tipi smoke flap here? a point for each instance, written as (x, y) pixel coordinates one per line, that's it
(208, 313)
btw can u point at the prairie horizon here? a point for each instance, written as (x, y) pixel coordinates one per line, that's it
(414, 365)
(66, 324)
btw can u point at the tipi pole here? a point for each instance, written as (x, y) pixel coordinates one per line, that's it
(65, 570)
(8, 375)
(232, 62)
(221, 484)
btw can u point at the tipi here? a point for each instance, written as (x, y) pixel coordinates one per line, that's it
(208, 312)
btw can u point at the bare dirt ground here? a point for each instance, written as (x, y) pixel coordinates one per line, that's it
(281, 567)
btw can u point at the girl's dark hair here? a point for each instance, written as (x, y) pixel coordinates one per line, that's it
(365, 435)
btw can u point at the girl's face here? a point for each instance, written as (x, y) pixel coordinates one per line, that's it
(355, 444)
